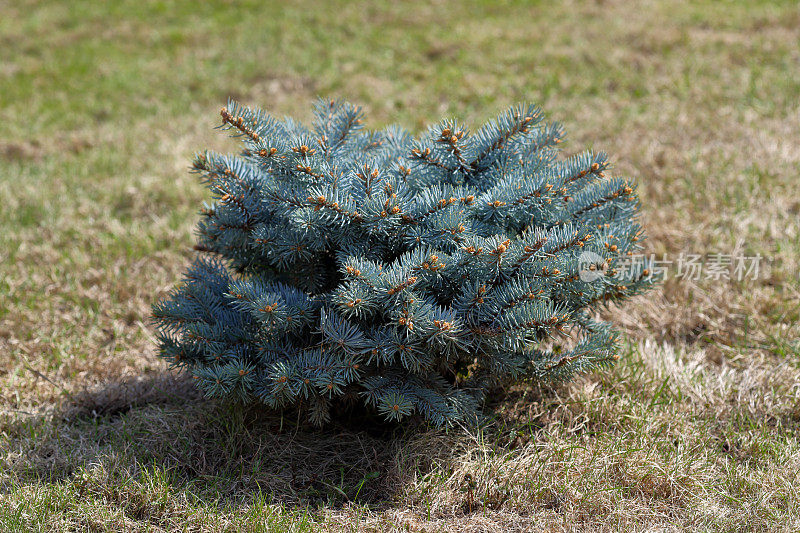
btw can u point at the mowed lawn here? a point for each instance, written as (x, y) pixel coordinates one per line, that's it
(102, 105)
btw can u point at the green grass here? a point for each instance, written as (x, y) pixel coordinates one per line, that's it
(101, 107)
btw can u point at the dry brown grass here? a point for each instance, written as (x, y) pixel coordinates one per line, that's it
(100, 109)
(667, 438)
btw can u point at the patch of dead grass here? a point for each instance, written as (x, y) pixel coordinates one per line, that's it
(666, 438)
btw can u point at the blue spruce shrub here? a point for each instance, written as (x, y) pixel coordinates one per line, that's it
(408, 274)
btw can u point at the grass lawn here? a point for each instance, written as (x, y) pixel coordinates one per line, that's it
(102, 105)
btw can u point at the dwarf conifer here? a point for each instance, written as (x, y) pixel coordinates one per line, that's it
(410, 274)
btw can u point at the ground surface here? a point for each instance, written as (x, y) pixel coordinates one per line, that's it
(101, 107)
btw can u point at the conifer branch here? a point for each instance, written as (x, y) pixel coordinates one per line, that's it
(425, 156)
(320, 202)
(239, 124)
